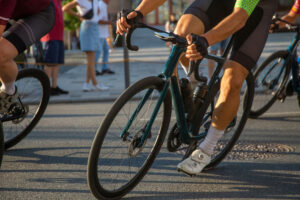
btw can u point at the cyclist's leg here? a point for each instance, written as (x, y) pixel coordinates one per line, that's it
(229, 99)
(8, 68)
(243, 58)
(249, 44)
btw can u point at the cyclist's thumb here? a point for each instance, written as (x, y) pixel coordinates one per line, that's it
(189, 39)
(131, 15)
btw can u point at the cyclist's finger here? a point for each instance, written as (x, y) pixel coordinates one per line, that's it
(118, 31)
(131, 15)
(193, 56)
(191, 47)
(124, 23)
(119, 28)
(189, 39)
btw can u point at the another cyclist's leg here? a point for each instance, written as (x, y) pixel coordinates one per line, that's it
(15, 40)
(8, 74)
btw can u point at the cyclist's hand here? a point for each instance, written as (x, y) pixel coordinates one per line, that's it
(197, 47)
(274, 27)
(125, 18)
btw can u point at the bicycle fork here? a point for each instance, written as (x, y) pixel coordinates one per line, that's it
(147, 129)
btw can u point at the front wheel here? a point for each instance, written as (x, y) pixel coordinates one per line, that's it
(118, 159)
(270, 78)
(33, 87)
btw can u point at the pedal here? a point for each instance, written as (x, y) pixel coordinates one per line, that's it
(281, 96)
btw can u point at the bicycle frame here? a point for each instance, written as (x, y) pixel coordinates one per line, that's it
(171, 81)
(292, 52)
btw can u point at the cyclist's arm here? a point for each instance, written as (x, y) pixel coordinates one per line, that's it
(227, 27)
(290, 17)
(144, 7)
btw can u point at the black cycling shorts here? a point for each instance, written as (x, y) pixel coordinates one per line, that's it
(26, 31)
(250, 40)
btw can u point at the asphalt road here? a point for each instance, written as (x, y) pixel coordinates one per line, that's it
(51, 162)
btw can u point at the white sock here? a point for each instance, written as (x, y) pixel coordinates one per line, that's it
(9, 88)
(211, 140)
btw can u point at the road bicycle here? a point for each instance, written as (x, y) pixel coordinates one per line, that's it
(33, 87)
(133, 131)
(272, 76)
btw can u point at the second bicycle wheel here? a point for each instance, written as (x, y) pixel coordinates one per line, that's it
(270, 78)
(118, 162)
(33, 87)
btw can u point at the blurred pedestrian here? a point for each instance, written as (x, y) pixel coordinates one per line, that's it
(89, 34)
(170, 26)
(104, 34)
(54, 50)
(74, 41)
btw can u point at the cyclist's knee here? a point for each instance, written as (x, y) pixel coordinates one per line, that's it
(233, 78)
(189, 24)
(7, 52)
(3, 56)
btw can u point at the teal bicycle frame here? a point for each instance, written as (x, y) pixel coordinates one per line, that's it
(292, 53)
(171, 81)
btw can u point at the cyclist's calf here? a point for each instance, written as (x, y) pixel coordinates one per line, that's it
(233, 78)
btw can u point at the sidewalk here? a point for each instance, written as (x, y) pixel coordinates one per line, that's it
(148, 61)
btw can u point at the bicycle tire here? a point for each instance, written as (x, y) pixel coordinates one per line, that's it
(258, 109)
(1, 144)
(231, 135)
(102, 142)
(35, 101)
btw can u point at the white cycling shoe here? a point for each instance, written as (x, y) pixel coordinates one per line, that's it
(195, 163)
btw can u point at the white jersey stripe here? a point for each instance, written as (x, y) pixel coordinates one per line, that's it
(3, 18)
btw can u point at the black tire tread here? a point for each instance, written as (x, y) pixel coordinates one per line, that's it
(93, 181)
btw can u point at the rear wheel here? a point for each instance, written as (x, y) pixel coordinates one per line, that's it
(118, 159)
(270, 79)
(33, 87)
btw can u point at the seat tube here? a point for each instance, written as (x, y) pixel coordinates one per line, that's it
(170, 66)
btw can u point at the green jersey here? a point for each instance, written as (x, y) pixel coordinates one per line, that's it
(247, 5)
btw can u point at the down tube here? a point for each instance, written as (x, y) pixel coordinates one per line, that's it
(136, 112)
